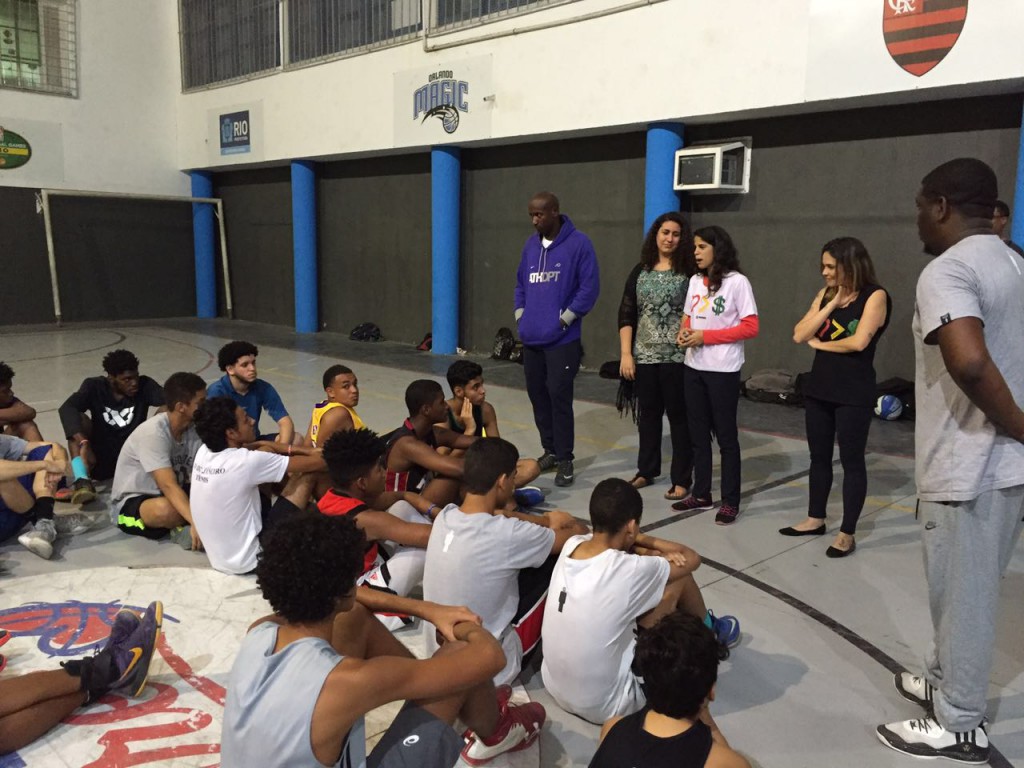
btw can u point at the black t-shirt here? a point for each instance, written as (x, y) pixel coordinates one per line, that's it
(628, 744)
(846, 378)
(113, 420)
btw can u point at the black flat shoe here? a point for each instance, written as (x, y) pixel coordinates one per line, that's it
(835, 552)
(791, 531)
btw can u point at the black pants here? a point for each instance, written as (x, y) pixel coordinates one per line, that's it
(550, 374)
(660, 389)
(851, 423)
(711, 402)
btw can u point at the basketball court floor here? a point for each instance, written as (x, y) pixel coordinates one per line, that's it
(822, 638)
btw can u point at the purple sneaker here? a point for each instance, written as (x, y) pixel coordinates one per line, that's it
(727, 514)
(694, 504)
(133, 651)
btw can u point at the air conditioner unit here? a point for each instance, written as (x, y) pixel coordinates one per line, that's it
(713, 168)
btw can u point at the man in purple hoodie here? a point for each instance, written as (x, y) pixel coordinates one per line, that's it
(556, 285)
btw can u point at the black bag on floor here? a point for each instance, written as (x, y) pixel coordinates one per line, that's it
(504, 343)
(773, 385)
(366, 332)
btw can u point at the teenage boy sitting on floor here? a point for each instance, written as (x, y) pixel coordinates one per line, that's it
(603, 587)
(471, 414)
(229, 511)
(150, 490)
(678, 659)
(496, 563)
(334, 414)
(29, 472)
(396, 540)
(306, 676)
(16, 417)
(242, 383)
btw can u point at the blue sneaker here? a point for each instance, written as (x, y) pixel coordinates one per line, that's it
(726, 629)
(529, 496)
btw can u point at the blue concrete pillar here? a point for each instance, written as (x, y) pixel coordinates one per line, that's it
(445, 207)
(663, 139)
(307, 310)
(204, 234)
(1017, 214)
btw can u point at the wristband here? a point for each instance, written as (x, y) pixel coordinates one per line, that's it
(432, 508)
(289, 449)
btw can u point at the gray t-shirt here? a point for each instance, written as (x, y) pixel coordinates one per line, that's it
(474, 560)
(149, 448)
(960, 454)
(12, 448)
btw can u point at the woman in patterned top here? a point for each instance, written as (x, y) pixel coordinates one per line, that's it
(649, 316)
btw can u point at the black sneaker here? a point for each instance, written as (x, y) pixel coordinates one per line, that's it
(727, 514)
(926, 738)
(547, 461)
(692, 503)
(566, 474)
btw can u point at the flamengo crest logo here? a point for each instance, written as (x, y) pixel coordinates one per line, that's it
(442, 97)
(919, 33)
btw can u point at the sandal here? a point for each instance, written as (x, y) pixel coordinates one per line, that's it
(678, 496)
(639, 481)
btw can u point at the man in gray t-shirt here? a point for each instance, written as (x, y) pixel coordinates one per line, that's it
(155, 466)
(478, 558)
(968, 326)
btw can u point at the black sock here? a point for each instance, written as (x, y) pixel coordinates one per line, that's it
(42, 509)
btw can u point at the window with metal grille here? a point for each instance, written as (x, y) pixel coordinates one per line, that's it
(324, 28)
(455, 14)
(37, 46)
(228, 40)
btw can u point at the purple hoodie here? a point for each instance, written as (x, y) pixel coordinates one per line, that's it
(555, 285)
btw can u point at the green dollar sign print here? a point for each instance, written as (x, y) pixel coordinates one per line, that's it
(718, 305)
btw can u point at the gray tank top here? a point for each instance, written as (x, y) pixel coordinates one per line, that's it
(270, 701)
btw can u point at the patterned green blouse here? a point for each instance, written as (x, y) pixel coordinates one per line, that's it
(660, 297)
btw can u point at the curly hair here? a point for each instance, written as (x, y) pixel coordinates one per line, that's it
(230, 352)
(678, 659)
(332, 373)
(351, 453)
(6, 373)
(613, 504)
(682, 257)
(309, 562)
(726, 257)
(119, 361)
(214, 417)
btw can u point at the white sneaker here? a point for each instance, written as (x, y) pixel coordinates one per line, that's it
(39, 538)
(926, 738)
(915, 689)
(73, 524)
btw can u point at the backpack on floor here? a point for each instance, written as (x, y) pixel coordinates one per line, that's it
(504, 343)
(772, 385)
(366, 332)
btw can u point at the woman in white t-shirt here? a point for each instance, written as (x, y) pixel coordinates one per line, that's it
(720, 314)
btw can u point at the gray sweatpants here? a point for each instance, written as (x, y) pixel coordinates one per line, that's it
(967, 546)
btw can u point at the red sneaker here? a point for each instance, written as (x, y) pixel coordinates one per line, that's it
(518, 727)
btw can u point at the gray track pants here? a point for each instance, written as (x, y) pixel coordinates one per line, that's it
(967, 546)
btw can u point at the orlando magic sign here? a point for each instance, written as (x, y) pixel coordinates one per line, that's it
(444, 104)
(443, 97)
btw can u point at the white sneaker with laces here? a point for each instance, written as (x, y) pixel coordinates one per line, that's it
(39, 538)
(73, 524)
(915, 689)
(927, 739)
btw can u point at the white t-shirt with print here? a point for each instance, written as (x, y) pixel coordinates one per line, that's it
(733, 301)
(960, 453)
(590, 635)
(225, 502)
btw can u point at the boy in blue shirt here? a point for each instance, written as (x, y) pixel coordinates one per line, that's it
(241, 383)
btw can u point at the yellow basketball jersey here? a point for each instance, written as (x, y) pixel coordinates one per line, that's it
(318, 413)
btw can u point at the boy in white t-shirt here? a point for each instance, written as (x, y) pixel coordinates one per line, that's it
(604, 586)
(497, 563)
(228, 509)
(720, 314)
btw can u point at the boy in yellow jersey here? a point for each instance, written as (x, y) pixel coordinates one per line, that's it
(335, 414)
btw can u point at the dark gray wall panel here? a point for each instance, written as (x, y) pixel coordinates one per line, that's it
(24, 272)
(846, 173)
(121, 259)
(600, 184)
(375, 245)
(258, 212)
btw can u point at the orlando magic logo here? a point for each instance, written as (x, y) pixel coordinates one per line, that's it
(442, 97)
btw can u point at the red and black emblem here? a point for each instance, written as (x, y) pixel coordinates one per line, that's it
(919, 33)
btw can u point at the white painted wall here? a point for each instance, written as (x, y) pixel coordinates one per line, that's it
(120, 134)
(674, 60)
